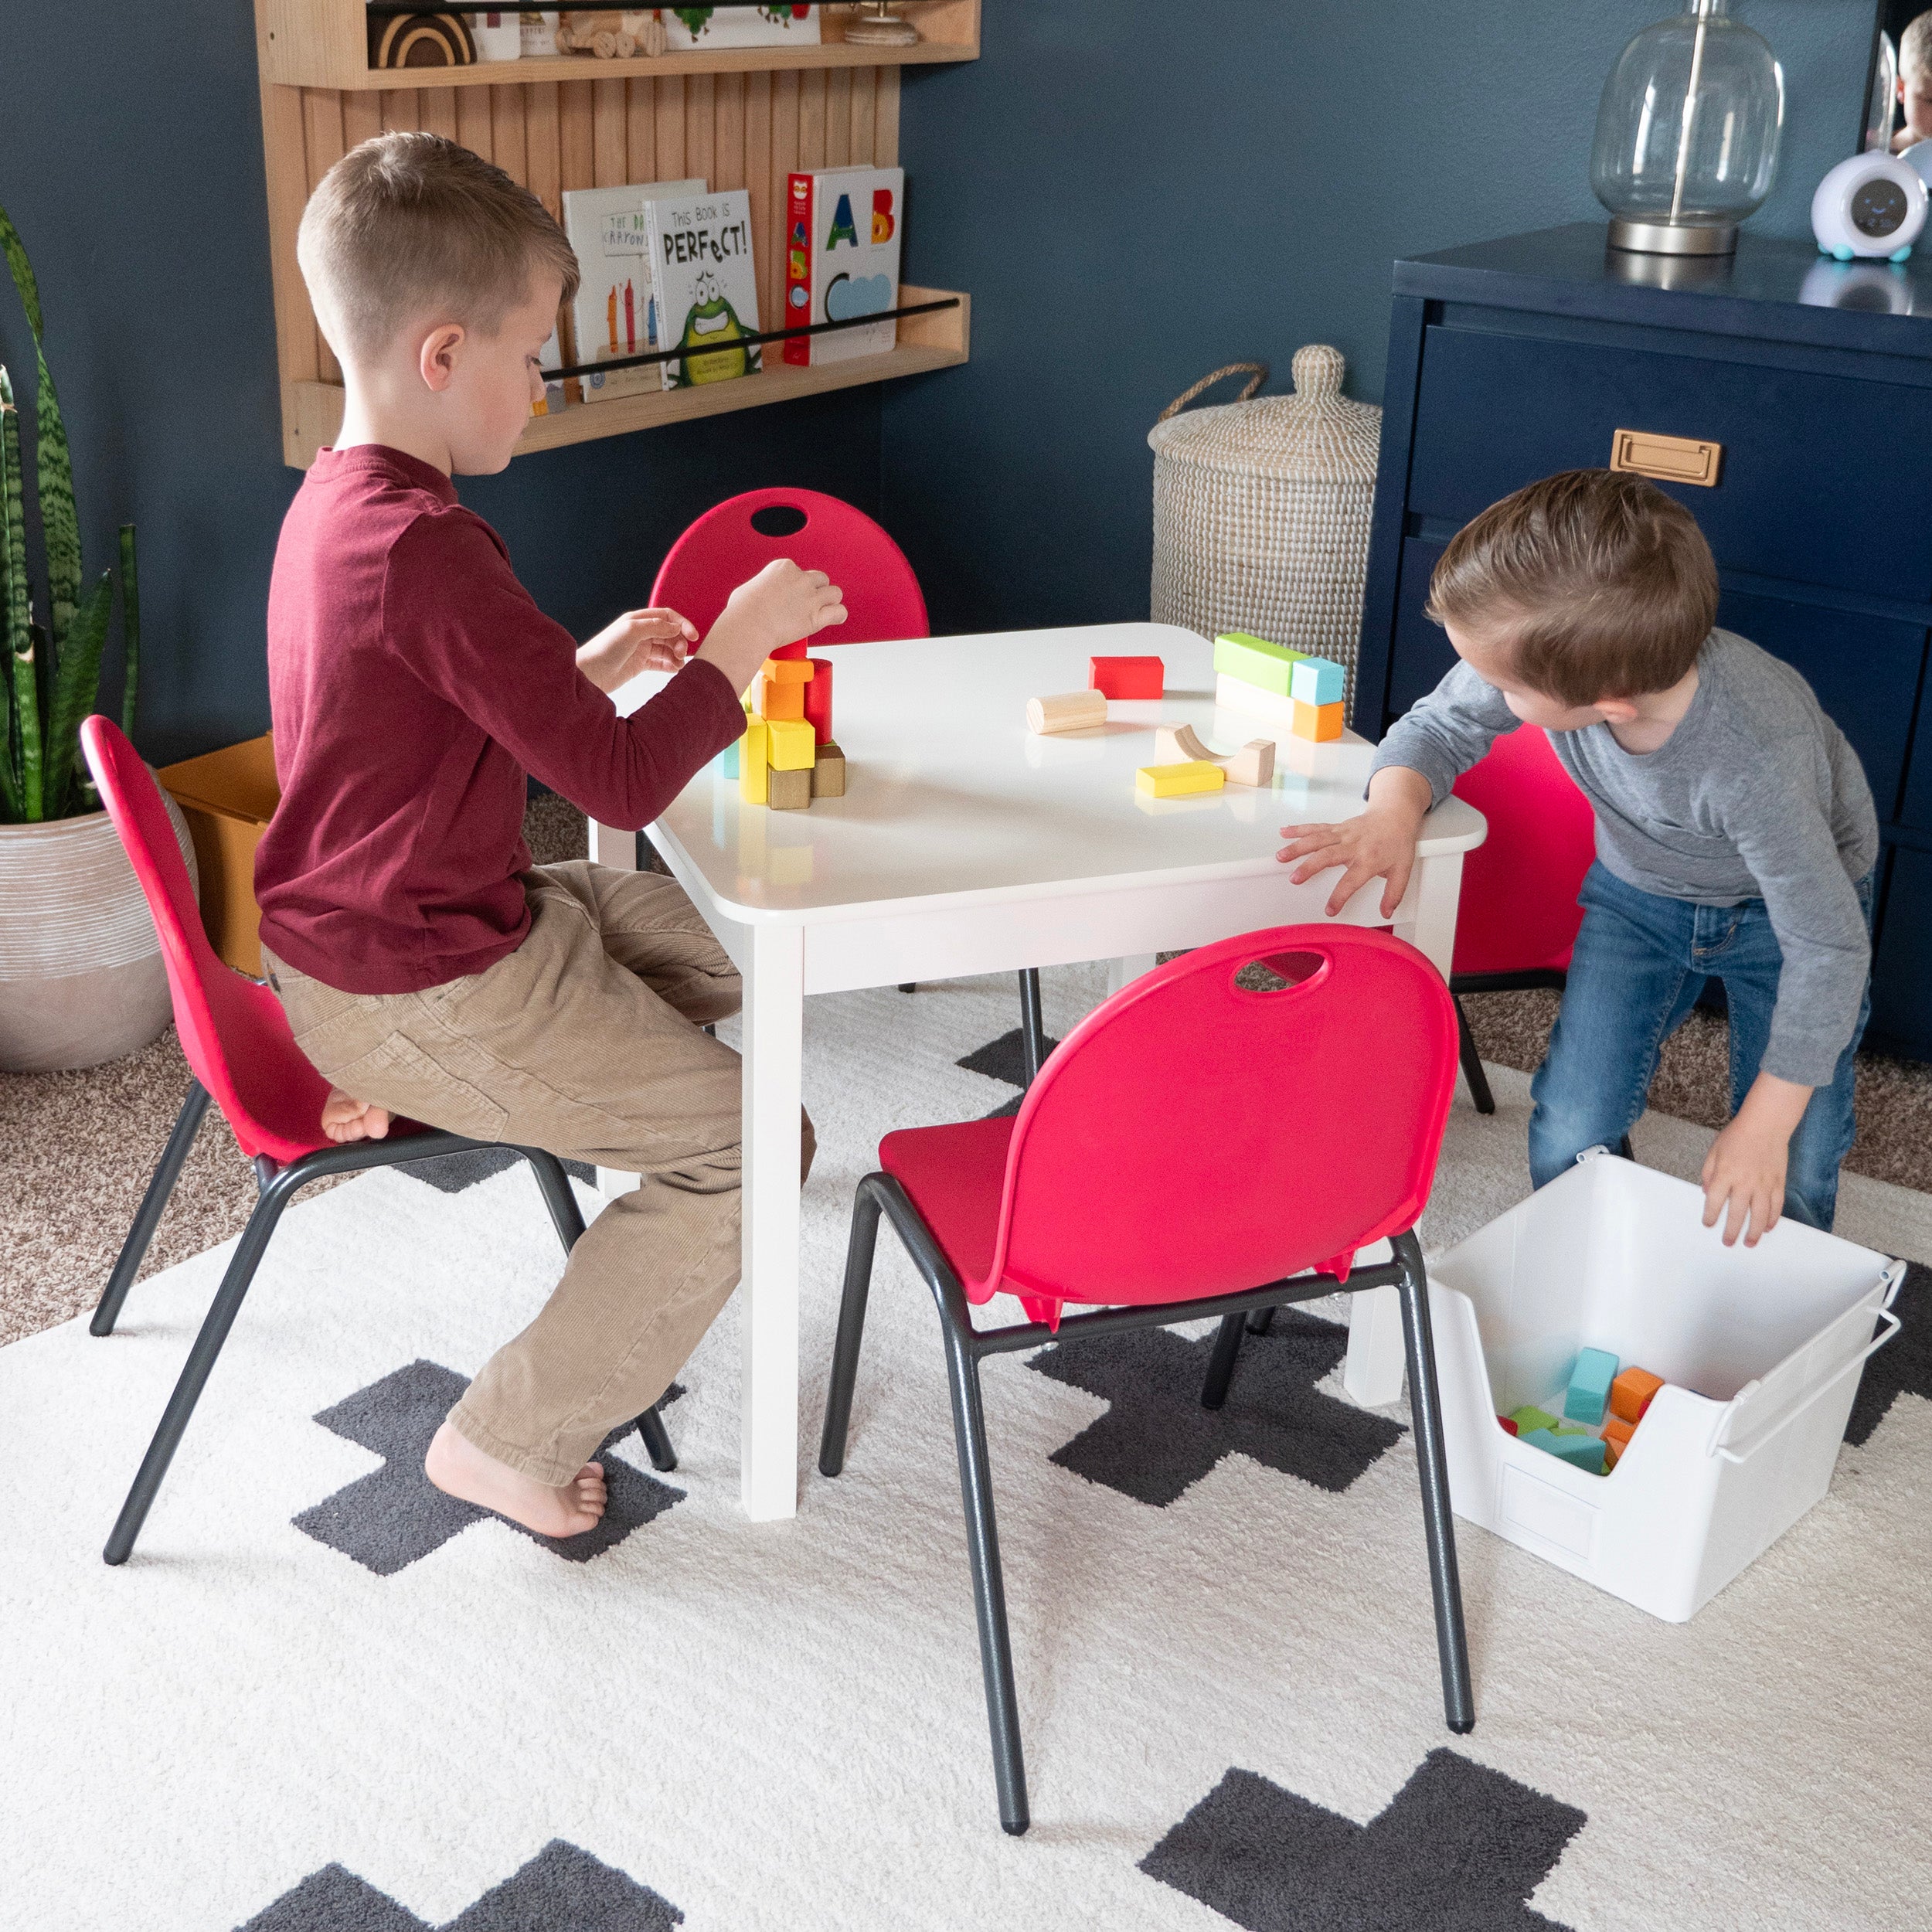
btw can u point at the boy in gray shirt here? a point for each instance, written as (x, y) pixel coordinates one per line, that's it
(1736, 835)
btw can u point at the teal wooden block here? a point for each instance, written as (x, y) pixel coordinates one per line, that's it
(1588, 1394)
(729, 758)
(1317, 680)
(1579, 1451)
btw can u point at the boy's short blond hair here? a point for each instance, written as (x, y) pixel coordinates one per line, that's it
(1596, 583)
(1915, 45)
(410, 227)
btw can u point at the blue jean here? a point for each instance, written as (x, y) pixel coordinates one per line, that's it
(1640, 964)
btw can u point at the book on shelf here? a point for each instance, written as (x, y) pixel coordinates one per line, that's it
(612, 314)
(704, 286)
(792, 24)
(842, 233)
(549, 357)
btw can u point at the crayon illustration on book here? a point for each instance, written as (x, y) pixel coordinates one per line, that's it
(613, 314)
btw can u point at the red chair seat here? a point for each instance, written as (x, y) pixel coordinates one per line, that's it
(955, 1175)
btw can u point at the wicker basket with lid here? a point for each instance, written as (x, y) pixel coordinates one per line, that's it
(1261, 510)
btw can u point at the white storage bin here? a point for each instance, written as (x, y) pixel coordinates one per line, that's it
(1761, 1347)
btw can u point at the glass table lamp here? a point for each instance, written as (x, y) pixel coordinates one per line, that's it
(1687, 134)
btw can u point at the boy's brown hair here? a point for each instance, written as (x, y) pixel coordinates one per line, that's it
(1597, 583)
(411, 226)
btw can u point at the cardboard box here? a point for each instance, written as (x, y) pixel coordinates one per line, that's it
(228, 798)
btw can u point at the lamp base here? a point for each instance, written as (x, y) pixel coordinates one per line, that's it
(880, 30)
(1674, 238)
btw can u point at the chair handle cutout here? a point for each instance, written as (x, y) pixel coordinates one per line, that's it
(1272, 973)
(779, 519)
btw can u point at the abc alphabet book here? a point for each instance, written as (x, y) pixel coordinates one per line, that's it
(841, 259)
(612, 314)
(705, 285)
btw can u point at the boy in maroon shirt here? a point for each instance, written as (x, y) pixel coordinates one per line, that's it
(427, 968)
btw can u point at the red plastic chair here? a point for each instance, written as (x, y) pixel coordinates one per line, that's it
(1192, 1147)
(243, 1054)
(1517, 919)
(740, 536)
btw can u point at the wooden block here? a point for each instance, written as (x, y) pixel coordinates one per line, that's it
(1531, 1417)
(1127, 677)
(754, 769)
(1071, 711)
(790, 789)
(783, 703)
(1318, 680)
(1319, 723)
(1617, 1435)
(1176, 781)
(1580, 1451)
(1268, 667)
(1589, 1380)
(1177, 745)
(818, 700)
(1508, 1425)
(791, 745)
(1253, 764)
(789, 670)
(1632, 1392)
(728, 758)
(829, 774)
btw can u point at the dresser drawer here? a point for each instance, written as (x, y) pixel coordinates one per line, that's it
(1806, 491)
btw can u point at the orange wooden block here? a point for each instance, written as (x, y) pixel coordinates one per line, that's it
(790, 670)
(1617, 1435)
(1632, 1392)
(1318, 722)
(784, 703)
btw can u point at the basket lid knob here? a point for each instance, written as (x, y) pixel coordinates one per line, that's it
(1318, 370)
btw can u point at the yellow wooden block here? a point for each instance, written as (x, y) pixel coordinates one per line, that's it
(754, 751)
(788, 670)
(1318, 722)
(1176, 781)
(783, 702)
(791, 744)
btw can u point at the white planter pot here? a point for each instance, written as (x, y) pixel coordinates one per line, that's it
(81, 976)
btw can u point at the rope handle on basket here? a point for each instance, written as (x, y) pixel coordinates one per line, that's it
(1256, 373)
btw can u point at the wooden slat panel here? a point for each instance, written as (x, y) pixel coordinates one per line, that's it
(864, 105)
(640, 143)
(283, 153)
(700, 129)
(542, 145)
(838, 118)
(670, 129)
(812, 119)
(439, 111)
(402, 110)
(575, 138)
(767, 233)
(507, 133)
(884, 139)
(361, 119)
(609, 133)
(727, 155)
(322, 148)
(473, 120)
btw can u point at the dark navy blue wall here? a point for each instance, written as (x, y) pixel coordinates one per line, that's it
(134, 175)
(1136, 191)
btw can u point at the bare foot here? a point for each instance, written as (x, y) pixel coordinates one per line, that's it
(459, 1468)
(346, 1118)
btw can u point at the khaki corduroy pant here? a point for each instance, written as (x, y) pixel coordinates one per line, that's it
(586, 1041)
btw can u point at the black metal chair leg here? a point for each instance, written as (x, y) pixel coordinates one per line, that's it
(989, 1588)
(908, 985)
(154, 1203)
(657, 1441)
(1227, 1345)
(1425, 1414)
(1032, 1026)
(554, 1185)
(851, 1330)
(201, 1358)
(1472, 1062)
(1260, 1321)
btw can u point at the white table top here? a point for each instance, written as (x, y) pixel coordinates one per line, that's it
(949, 795)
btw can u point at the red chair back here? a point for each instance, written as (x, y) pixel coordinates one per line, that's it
(1192, 1137)
(1517, 913)
(724, 548)
(233, 1029)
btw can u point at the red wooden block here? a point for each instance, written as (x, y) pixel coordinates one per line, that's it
(818, 700)
(1127, 677)
(1508, 1424)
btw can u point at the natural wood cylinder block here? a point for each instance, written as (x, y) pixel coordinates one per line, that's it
(1072, 711)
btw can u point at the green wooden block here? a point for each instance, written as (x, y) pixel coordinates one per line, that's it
(1588, 1395)
(1579, 1451)
(1527, 1419)
(1268, 667)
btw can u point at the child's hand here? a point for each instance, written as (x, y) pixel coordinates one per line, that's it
(639, 641)
(1380, 844)
(781, 604)
(1743, 1173)
(346, 1118)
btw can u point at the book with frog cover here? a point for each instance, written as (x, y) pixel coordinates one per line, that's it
(706, 289)
(612, 314)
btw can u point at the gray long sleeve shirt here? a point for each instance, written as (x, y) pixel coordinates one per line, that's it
(1755, 795)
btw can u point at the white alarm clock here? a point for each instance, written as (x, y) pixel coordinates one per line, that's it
(1870, 204)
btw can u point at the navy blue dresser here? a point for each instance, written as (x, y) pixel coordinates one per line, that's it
(1512, 360)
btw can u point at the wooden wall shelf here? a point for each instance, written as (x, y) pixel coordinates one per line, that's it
(741, 118)
(324, 43)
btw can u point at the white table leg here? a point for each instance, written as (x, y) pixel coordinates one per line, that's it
(774, 1051)
(610, 847)
(1120, 971)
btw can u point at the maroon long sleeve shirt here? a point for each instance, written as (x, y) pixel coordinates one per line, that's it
(413, 684)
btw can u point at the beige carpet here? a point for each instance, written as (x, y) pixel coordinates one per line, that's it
(84, 1145)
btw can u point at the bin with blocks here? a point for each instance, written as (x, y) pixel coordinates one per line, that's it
(788, 755)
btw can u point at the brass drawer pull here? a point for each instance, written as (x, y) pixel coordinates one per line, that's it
(1670, 459)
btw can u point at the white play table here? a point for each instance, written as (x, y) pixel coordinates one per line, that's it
(964, 844)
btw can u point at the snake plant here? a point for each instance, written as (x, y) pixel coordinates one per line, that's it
(53, 670)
